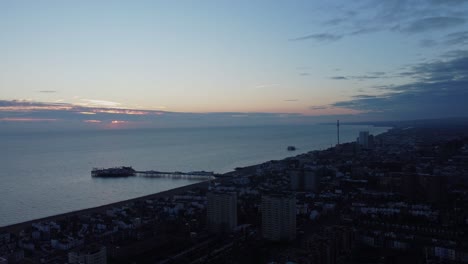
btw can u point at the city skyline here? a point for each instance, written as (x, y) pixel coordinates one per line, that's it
(161, 64)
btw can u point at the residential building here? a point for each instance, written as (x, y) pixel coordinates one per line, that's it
(221, 211)
(279, 217)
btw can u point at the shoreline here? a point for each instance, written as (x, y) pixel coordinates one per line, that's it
(14, 228)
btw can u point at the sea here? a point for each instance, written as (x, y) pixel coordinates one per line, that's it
(43, 174)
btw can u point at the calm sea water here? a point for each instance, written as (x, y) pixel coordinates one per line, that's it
(44, 174)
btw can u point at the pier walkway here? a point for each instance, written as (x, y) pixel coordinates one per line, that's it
(177, 174)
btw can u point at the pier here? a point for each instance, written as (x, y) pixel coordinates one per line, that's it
(127, 171)
(202, 175)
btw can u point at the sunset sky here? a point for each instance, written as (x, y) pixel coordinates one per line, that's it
(164, 63)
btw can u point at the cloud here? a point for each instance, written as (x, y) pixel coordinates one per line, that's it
(449, 2)
(334, 22)
(439, 89)
(455, 54)
(378, 73)
(17, 116)
(369, 76)
(405, 16)
(338, 78)
(47, 91)
(26, 119)
(432, 23)
(291, 100)
(427, 43)
(28, 106)
(304, 74)
(321, 37)
(93, 102)
(458, 38)
(363, 77)
(319, 107)
(365, 30)
(451, 70)
(365, 96)
(452, 39)
(120, 111)
(267, 85)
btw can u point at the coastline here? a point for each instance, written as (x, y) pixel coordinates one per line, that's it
(15, 228)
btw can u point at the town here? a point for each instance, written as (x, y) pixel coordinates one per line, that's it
(398, 197)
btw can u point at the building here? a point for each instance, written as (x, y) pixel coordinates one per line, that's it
(303, 180)
(295, 179)
(221, 211)
(279, 217)
(410, 185)
(12, 256)
(320, 250)
(363, 139)
(426, 187)
(4, 237)
(434, 187)
(311, 181)
(92, 254)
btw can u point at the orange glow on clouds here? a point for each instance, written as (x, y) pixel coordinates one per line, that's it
(84, 110)
(29, 108)
(120, 111)
(13, 119)
(92, 121)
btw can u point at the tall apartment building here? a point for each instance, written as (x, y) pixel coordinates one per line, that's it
(279, 217)
(363, 139)
(221, 211)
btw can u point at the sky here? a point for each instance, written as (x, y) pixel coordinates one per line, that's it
(122, 64)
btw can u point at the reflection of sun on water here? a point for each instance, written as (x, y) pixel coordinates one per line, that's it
(117, 124)
(113, 124)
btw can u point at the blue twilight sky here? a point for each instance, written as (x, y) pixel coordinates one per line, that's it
(169, 63)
